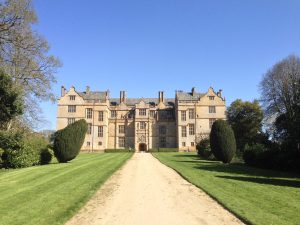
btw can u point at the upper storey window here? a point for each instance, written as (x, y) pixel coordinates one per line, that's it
(89, 113)
(183, 115)
(72, 97)
(191, 114)
(100, 116)
(142, 112)
(143, 125)
(71, 108)
(211, 97)
(212, 109)
(113, 114)
(152, 113)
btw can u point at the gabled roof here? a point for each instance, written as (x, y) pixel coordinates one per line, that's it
(188, 96)
(134, 101)
(93, 95)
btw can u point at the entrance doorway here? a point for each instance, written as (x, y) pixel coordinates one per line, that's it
(142, 147)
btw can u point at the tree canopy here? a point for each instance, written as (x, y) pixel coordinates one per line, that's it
(11, 103)
(280, 93)
(245, 119)
(24, 54)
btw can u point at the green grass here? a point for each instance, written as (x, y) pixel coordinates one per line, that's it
(256, 196)
(51, 194)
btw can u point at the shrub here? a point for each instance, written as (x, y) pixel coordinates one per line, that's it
(163, 150)
(251, 152)
(222, 141)
(203, 148)
(46, 156)
(118, 150)
(68, 141)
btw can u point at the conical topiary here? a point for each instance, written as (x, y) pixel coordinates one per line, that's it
(222, 141)
(68, 141)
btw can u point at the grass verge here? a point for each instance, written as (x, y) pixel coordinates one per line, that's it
(53, 193)
(257, 196)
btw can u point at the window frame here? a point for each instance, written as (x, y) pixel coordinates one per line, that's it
(191, 129)
(183, 115)
(183, 131)
(212, 109)
(89, 113)
(100, 131)
(71, 108)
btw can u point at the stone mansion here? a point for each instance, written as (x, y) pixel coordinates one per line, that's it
(141, 123)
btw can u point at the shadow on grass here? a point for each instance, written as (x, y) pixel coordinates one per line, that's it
(242, 169)
(269, 181)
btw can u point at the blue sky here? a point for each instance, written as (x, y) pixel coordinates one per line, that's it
(145, 46)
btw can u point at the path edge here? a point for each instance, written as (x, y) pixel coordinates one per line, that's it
(244, 220)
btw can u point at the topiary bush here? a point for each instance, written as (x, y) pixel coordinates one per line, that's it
(203, 148)
(68, 141)
(222, 141)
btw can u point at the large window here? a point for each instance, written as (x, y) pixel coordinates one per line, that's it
(162, 130)
(89, 113)
(100, 131)
(142, 112)
(212, 109)
(152, 113)
(191, 129)
(100, 116)
(211, 122)
(162, 142)
(71, 108)
(121, 129)
(122, 142)
(183, 115)
(191, 114)
(71, 120)
(142, 125)
(183, 131)
(89, 130)
(113, 114)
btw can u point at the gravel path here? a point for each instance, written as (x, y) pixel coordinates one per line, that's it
(144, 191)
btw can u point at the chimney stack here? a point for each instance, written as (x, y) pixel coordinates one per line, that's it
(219, 93)
(193, 91)
(161, 96)
(63, 91)
(122, 96)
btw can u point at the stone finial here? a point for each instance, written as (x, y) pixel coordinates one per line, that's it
(87, 89)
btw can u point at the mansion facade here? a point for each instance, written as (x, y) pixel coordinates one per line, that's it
(141, 123)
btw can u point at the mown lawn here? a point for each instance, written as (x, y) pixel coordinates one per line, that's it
(254, 195)
(51, 194)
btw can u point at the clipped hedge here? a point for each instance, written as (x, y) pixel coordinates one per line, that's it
(118, 150)
(222, 141)
(68, 141)
(163, 150)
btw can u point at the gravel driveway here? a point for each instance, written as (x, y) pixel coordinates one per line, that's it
(144, 191)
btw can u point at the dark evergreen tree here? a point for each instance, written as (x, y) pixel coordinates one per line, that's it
(68, 141)
(222, 141)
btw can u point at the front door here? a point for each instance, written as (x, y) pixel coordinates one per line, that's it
(142, 147)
